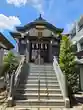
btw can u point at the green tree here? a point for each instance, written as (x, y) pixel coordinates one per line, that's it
(67, 63)
(10, 63)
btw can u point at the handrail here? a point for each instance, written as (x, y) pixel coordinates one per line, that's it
(18, 71)
(62, 81)
(39, 78)
(15, 77)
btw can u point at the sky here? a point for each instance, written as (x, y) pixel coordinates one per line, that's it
(61, 13)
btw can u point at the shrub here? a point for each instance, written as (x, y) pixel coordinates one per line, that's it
(10, 63)
(68, 64)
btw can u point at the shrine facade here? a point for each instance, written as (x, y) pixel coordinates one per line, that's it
(38, 39)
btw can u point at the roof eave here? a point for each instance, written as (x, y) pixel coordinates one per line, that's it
(5, 42)
(15, 34)
(48, 25)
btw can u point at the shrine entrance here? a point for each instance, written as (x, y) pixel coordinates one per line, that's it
(39, 49)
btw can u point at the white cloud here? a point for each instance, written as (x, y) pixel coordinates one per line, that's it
(17, 2)
(38, 4)
(8, 22)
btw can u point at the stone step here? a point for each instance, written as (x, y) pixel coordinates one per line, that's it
(35, 96)
(2, 97)
(48, 78)
(42, 71)
(45, 75)
(41, 86)
(42, 75)
(42, 66)
(57, 103)
(39, 108)
(42, 82)
(34, 90)
(41, 79)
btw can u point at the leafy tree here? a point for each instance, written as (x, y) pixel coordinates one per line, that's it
(10, 63)
(67, 63)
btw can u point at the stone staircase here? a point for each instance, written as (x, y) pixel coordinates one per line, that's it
(38, 86)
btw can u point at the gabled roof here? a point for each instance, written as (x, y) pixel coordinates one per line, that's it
(39, 21)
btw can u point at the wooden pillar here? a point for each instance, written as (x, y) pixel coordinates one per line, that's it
(50, 51)
(27, 51)
(30, 50)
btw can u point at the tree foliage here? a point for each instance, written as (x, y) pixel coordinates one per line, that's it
(67, 63)
(10, 63)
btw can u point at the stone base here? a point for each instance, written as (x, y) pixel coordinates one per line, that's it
(67, 103)
(10, 102)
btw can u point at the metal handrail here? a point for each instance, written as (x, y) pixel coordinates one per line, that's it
(15, 77)
(18, 71)
(62, 81)
(39, 80)
(46, 82)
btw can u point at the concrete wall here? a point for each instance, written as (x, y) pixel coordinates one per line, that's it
(81, 77)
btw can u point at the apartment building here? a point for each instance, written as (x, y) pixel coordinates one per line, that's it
(76, 35)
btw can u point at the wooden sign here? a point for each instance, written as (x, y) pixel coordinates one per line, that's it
(40, 27)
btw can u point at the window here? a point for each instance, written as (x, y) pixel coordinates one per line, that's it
(74, 48)
(80, 24)
(73, 32)
(81, 46)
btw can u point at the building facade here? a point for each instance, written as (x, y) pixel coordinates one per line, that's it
(76, 35)
(38, 39)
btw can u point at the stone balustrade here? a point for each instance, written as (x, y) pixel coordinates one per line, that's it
(62, 81)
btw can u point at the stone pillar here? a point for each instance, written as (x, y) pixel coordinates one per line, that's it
(78, 47)
(81, 77)
(50, 51)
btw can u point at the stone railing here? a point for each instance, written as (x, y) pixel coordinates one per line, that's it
(15, 77)
(62, 81)
(18, 71)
